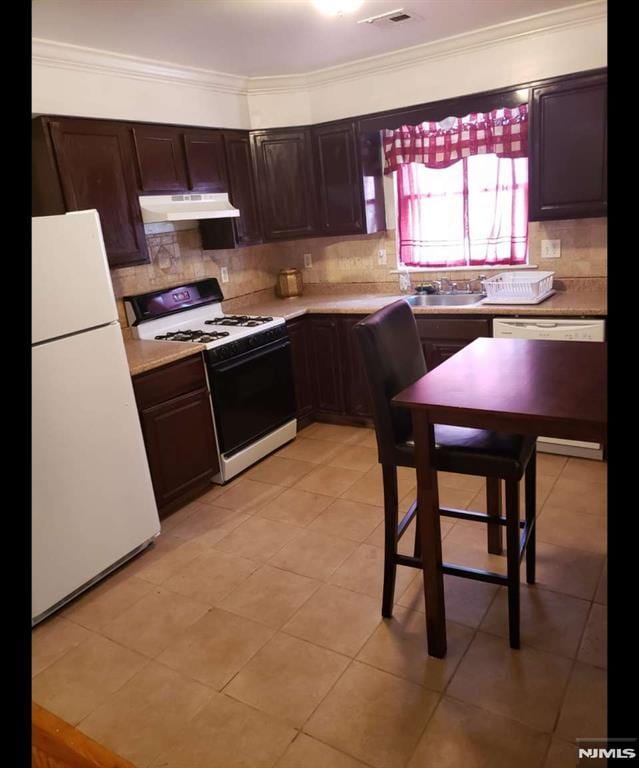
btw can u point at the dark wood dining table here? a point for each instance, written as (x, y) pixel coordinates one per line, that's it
(551, 388)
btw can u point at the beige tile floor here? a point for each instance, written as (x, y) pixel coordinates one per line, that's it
(250, 635)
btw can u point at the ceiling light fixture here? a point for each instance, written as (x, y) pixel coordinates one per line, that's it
(337, 7)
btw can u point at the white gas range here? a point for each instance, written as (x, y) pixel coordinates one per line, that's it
(248, 363)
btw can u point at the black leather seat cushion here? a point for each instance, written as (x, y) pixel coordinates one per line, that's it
(475, 452)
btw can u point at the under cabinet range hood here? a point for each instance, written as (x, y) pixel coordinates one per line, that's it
(157, 208)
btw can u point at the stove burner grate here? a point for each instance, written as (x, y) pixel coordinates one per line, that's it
(203, 337)
(246, 321)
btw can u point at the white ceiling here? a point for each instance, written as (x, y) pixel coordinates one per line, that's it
(262, 37)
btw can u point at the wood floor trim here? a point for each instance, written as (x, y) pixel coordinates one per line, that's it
(56, 744)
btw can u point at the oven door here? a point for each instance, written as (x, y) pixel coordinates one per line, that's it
(252, 395)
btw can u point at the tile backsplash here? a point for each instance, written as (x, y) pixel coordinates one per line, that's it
(178, 257)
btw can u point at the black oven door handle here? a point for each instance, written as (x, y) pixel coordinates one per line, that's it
(228, 365)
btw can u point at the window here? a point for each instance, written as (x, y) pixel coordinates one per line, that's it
(462, 189)
(471, 213)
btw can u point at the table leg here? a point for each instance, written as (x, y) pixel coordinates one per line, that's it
(430, 534)
(493, 508)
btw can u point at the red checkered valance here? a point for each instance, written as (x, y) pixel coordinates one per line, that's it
(503, 132)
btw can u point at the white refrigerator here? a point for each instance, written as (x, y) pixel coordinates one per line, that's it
(92, 500)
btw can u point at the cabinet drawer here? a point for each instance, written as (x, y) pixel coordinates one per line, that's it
(431, 328)
(169, 381)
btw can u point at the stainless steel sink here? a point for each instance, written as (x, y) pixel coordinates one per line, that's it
(444, 299)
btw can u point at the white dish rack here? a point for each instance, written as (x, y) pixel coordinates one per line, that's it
(518, 288)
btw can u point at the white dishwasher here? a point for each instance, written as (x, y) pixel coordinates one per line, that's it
(555, 329)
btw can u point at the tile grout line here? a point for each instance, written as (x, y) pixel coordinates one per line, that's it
(323, 582)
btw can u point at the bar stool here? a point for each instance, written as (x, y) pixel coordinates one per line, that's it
(393, 359)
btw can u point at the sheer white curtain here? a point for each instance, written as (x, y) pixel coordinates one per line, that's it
(472, 213)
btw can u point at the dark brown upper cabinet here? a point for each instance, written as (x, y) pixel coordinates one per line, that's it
(246, 229)
(242, 191)
(85, 164)
(205, 161)
(285, 182)
(349, 180)
(568, 149)
(159, 153)
(339, 199)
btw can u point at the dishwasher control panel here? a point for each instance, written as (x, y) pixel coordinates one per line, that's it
(549, 328)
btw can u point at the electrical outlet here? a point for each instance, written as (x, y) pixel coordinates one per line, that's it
(224, 274)
(381, 256)
(308, 261)
(550, 249)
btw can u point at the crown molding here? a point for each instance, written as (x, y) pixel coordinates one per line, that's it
(49, 53)
(584, 14)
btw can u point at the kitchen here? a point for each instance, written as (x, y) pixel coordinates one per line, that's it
(264, 212)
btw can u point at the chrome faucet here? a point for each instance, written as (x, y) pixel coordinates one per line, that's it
(479, 282)
(448, 286)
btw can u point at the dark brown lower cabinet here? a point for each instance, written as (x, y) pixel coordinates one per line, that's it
(177, 424)
(357, 400)
(330, 380)
(327, 368)
(302, 375)
(442, 337)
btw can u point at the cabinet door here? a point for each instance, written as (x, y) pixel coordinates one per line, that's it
(205, 162)
(285, 183)
(242, 191)
(568, 155)
(357, 399)
(327, 367)
(180, 445)
(436, 352)
(338, 180)
(301, 361)
(159, 153)
(372, 180)
(442, 337)
(95, 164)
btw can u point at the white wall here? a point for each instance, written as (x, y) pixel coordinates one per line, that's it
(79, 81)
(497, 65)
(67, 80)
(277, 107)
(468, 64)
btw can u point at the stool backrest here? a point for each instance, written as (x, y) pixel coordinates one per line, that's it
(393, 359)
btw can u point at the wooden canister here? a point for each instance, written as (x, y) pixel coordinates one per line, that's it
(289, 283)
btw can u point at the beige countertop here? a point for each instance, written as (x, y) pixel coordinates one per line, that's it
(562, 303)
(146, 355)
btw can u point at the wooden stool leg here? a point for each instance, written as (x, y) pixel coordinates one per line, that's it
(530, 484)
(417, 551)
(512, 559)
(389, 475)
(493, 507)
